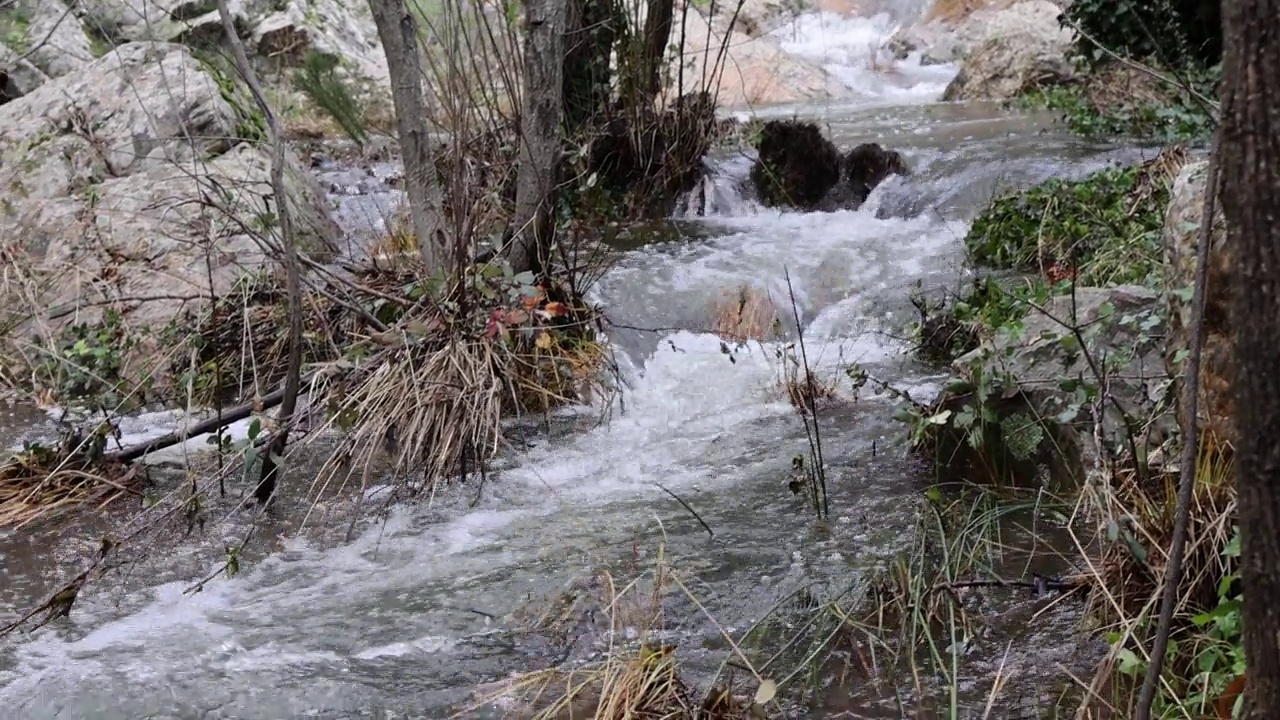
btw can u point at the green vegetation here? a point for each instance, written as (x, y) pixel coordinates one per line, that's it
(1104, 228)
(1145, 70)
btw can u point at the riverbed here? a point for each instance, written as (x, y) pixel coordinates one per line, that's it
(406, 619)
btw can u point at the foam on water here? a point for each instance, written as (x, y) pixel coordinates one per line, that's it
(853, 49)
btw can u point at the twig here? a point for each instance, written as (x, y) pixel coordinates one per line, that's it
(815, 438)
(267, 480)
(692, 512)
(1190, 442)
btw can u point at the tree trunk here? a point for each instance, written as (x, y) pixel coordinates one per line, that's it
(657, 33)
(540, 141)
(1250, 161)
(398, 31)
(591, 30)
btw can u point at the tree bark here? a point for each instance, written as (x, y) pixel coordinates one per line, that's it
(540, 142)
(657, 33)
(591, 30)
(1250, 163)
(398, 31)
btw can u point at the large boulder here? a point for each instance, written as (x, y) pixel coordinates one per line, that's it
(343, 30)
(55, 39)
(1020, 48)
(275, 31)
(1181, 244)
(753, 70)
(136, 183)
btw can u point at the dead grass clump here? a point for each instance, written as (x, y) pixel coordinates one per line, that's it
(632, 679)
(1135, 526)
(804, 389)
(41, 482)
(433, 387)
(746, 313)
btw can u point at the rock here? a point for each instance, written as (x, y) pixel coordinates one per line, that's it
(868, 165)
(1038, 376)
(796, 166)
(17, 75)
(343, 30)
(1021, 47)
(191, 22)
(754, 71)
(57, 40)
(131, 185)
(1181, 243)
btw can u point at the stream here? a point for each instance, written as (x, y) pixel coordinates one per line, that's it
(393, 624)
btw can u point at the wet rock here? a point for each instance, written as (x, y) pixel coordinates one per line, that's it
(753, 71)
(1020, 48)
(130, 186)
(1181, 244)
(868, 165)
(797, 166)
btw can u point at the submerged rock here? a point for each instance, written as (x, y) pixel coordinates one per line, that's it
(1181, 237)
(797, 165)
(134, 184)
(1020, 48)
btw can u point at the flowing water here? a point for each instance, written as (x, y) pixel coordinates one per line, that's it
(393, 624)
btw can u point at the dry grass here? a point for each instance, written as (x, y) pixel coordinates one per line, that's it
(41, 482)
(746, 313)
(633, 680)
(1127, 558)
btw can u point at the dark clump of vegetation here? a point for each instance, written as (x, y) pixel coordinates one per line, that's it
(643, 162)
(1101, 230)
(797, 165)
(868, 165)
(1147, 70)
(1175, 31)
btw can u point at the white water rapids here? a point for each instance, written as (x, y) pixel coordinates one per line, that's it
(381, 627)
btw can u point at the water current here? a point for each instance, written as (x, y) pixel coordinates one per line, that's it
(391, 624)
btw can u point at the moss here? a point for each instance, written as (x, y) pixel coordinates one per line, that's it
(251, 125)
(1104, 229)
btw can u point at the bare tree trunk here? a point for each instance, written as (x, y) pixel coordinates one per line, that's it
(398, 31)
(540, 140)
(273, 457)
(1251, 185)
(657, 33)
(591, 31)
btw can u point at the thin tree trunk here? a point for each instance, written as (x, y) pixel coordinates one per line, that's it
(1251, 185)
(273, 458)
(657, 33)
(540, 140)
(398, 31)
